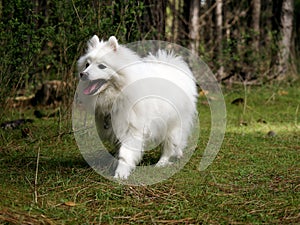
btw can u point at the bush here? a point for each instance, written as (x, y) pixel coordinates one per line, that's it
(42, 40)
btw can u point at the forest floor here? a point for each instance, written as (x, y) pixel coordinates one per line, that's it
(255, 178)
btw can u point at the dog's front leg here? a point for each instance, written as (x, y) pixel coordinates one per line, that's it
(130, 155)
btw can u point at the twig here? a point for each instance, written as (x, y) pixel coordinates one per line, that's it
(245, 99)
(208, 11)
(36, 176)
(296, 114)
(76, 11)
(248, 83)
(60, 120)
(237, 18)
(271, 98)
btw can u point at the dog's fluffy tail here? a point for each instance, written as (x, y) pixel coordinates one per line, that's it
(168, 57)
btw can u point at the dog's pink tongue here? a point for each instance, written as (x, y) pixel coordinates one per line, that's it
(89, 89)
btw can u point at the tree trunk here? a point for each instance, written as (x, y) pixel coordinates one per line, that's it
(256, 6)
(286, 37)
(174, 21)
(183, 22)
(219, 21)
(154, 18)
(194, 26)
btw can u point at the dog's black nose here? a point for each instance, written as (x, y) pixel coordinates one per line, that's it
(83, 75)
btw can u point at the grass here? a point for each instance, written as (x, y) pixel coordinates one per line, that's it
(255, 178)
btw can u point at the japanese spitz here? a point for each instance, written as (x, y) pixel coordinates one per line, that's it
(138, 101)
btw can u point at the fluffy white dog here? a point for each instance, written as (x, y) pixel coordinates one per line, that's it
(138, 101)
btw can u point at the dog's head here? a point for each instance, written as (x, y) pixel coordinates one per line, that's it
(95, 67)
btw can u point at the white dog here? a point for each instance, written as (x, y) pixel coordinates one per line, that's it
(138, 101)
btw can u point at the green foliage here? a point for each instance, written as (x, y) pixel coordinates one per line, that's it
(244, 60)
(43, 39)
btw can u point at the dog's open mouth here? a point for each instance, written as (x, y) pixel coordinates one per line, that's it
(94, 86)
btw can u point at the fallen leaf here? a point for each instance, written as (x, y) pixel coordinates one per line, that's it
(71, 204)
(203, 92)
(283, 92)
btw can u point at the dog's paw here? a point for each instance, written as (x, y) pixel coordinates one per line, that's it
(163, 162)
(123, 171)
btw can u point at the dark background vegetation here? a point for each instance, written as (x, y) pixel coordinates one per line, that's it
(42, 39)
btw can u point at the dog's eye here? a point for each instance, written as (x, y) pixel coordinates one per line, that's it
(101, 66)
(87, 65)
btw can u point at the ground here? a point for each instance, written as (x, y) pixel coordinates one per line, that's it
(255, 178)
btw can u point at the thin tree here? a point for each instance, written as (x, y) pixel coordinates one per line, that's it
(219, 37)
(154, 18)
(287, 13)
(256, 8)
(194, 26)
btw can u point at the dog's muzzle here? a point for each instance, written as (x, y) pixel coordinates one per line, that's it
(93, 85)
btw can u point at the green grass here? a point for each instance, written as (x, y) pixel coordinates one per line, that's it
(255, 179)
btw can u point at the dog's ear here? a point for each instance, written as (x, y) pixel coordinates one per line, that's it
(93, 42)
(113, 42)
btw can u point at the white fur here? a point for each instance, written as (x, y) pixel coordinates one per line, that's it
(167, 120)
